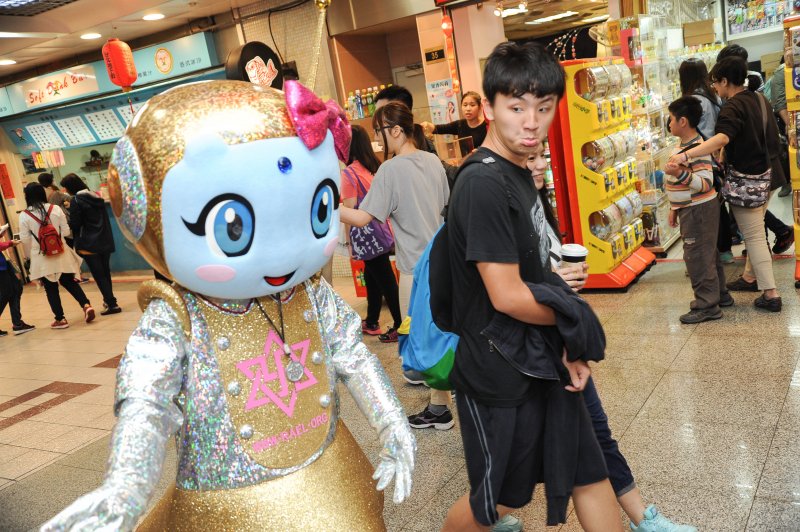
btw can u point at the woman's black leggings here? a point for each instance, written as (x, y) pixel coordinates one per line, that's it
(381, 284)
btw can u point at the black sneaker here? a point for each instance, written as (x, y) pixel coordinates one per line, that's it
(110, 310)
(3, 333)
(773, 305)
(22, 328)
(740, 285)
(785, 190)
(726, 300)
(783, 242)
(426, 419)
(389, 337)
(698, 315)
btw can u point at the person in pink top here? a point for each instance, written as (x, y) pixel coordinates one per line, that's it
(379, 277)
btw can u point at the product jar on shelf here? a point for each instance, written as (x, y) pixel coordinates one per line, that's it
(592, 83)
(605, 223)
(636, 202)
(626, 209)
(598, 154)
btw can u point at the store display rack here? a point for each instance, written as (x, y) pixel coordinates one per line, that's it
(595, 171)
(791, 42)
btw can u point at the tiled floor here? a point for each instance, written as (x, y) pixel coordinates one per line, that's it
(707, 415)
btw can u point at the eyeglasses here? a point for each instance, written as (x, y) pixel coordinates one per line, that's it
(378, 129)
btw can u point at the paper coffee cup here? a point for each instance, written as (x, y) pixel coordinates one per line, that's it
(573, 253)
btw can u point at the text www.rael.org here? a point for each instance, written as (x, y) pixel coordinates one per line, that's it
(287, 435)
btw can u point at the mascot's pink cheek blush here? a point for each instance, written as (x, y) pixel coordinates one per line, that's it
(331, 247)
(215, 273)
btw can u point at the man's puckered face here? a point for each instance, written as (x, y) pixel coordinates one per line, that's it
(520, 124)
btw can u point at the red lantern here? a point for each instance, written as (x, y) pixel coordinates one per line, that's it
(447, 25)
(119, 63)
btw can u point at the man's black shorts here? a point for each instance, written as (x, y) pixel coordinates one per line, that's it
(504, 452)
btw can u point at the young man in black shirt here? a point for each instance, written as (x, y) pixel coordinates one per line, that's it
(498, 242)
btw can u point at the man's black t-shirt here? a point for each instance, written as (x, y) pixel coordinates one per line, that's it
(495, 215)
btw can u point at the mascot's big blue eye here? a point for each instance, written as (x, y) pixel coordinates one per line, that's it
(227, 222)
(326, 200)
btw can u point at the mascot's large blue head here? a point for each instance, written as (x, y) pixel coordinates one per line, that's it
(231, 189)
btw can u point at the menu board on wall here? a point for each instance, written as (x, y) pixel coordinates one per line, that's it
(106, 125)
(125, 111)
(45, 136)
(746, 16)
(75, 130)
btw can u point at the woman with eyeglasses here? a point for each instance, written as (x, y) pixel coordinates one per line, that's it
(409, 189)
(750, 148)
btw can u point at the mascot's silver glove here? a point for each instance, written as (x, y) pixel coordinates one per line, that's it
(137, 456)
(362, 373)
(397, 459)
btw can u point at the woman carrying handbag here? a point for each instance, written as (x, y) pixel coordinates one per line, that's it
(372, 243)
(749, 134)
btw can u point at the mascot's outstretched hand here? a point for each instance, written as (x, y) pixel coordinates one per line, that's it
(232, 191)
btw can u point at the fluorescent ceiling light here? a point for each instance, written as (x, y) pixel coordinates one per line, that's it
(596, 19)
(510, 11)
(28, 35)
(551, 18)
(90, 36)
(153, 16)
(6, 62)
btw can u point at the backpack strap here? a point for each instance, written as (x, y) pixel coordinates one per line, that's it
(479, 158)
(157, 289)
(29, 213)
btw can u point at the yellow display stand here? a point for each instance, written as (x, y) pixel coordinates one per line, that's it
(591, 121)
(791, 30)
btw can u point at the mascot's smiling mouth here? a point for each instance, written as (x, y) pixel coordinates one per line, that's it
(278, 281)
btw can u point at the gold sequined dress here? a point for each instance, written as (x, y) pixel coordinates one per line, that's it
(258, 448)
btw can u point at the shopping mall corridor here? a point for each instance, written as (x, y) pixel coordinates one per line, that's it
(708, 415)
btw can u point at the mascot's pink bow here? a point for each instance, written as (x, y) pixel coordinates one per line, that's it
(312, 118)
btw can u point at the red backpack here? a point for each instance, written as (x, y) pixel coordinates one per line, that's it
(49, 238)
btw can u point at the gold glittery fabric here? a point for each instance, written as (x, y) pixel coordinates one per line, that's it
(303, 501)
(292, 424)
(156, 289)
(236, 111)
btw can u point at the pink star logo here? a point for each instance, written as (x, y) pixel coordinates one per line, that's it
(257, 370)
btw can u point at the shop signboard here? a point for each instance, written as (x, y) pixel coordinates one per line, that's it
(442, 101)
(5, 103)
(99, 121)
(60, 86)
(154, 63)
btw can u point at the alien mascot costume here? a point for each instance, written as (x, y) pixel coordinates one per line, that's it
(231, 190)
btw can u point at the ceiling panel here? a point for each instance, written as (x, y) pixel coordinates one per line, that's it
(516, 28)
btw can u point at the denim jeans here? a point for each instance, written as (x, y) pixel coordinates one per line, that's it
(619, 473)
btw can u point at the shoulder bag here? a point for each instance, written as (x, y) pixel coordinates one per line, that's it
(374, 239)
(749, 190)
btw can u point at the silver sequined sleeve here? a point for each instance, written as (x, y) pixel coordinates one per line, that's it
(148, 383)
(369, 385)
(355, 365)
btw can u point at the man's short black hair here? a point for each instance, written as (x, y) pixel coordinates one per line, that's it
(45, 179)
(732, 68)
(396, 93)
(733, 50)
(516, 69)
(687, 107)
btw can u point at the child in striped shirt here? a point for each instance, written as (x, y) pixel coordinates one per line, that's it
(694, 202)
